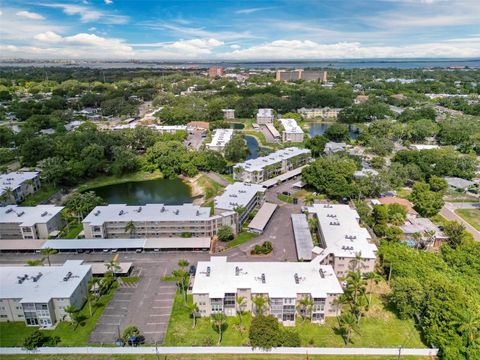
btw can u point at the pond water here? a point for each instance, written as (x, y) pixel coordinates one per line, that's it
(253, 147)
(236, 126)
(159, 191)
(320, 128)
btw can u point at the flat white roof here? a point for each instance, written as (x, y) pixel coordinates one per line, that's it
(282, 177)
(221, 137)
(50, 284)
(28, 215)
(237, 194)
(343, 235)
(259, 163)
(13, 180)
(263, 216)
(178, 243)
(291, 126)
(217, 277)
(303, 237)
(21, 244)
(99, 244)
(149, 212)
(265, 112)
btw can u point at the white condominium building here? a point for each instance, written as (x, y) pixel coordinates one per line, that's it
(30, 222)
(218, 283)
(324, 113)
(220, 138)
(291, 131)
(155, 221)
(15, 186)
(265, 116)
(266, 167)
(38, 295)
(240, 196)
(228, 114)
(346, 245)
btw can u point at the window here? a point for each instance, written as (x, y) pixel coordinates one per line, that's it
(229, 300)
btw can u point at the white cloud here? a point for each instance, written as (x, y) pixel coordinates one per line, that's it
(49, 36)
(88, 14)
(30, 15)
(235, 46)
(92, 29)
(251, 10)
(108, 2)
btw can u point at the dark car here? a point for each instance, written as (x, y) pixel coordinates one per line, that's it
(192, 270)
(286, 193)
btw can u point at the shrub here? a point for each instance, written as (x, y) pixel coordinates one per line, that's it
(225, 233)
(265, 248)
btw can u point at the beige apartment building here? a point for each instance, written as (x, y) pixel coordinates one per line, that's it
(155, 221)
(30, 222)
(218, 283)
(264, 116)
(300, 74)
(324, 113)
(346, 246)
(38, 295)
(266, 167)
(291, 131)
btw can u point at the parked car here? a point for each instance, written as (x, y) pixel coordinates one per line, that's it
(192, 270)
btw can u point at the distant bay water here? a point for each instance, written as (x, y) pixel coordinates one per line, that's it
(334, 64)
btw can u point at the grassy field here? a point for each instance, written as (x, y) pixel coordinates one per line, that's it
(110, 180)
(379, 328)
(241, 238)
(45, 193)
(12, 334)
(75, 227)
(210, 189)
(285, 198)
(472, 216)
(207, 357)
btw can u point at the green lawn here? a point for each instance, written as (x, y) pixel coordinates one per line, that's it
(241, 238)
(210, 189)
(110, 180)
(45, 193)
(285, 198)
(380, 328)
(75, 227)
(472, 216)
(208, 357)
(12, 334)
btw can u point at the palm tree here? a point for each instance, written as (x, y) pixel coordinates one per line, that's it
(36, 262)
(66, 219)
(46, 252)
(72, 311)
(355, 292)
(305, 306)
(260, 302)
(93, 287)
(356, 263)
(194, 311)
(469, 326)
(241, 302)
(371, 278)
(90, 297)
(183, 282)
(348, 324)
(219, 320)
(183, 263)
(7, 195)
(112, 267)
(130, 228)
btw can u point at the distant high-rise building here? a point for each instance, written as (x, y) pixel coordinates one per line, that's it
(300, 74)
(216, 71)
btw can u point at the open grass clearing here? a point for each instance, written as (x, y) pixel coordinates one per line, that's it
(472, 216)
(241, 238)
(39, 197)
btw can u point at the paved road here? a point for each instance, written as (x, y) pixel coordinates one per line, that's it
(448, 212)
(223, 350)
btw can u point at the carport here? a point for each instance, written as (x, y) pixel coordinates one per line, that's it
(95, 244)
(260, 221)
(178, 243)
(303, 237)
(21, 245)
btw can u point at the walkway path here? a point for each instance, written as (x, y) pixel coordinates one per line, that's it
(448, 212)
(222, 350)
(217, 178)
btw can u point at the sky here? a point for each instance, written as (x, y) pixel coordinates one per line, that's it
(239, 30)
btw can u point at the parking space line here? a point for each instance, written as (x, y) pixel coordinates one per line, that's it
(153, 332)
(161, 307)
(113, 315)
(159, 315)
(158, 323)
(109, 324)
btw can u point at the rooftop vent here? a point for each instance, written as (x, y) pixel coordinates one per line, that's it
(68, 276)
(198, 213)
(334, 223)
(44, 213)
(263, 279)
(139, 209)
(177, 212)
(36, 277)
(322, 274)
(20, 213)
(162, 209)
(297, 279)
(9, 210)
(97, 213)
(121, 212)
(208, 271)
(237, 271)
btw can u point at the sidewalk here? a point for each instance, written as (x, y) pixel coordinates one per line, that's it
(448, 212)
(221, 350)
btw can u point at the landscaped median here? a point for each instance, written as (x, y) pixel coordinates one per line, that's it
(471, 216)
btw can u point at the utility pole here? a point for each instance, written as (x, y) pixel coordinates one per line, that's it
(399, 352)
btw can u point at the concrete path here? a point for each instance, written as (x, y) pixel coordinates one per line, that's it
(448, 212)
(222, 350)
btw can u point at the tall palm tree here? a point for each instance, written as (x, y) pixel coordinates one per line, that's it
(46, 252)
(72, 311)
(469, 325)
(348, 324)
(372, 279)
(7, 195)
(112, 267)
(219, 320)
(260, 302)
(241, 302)
(356, 263)
(194, 311)
(305, 306)
(130, 228)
